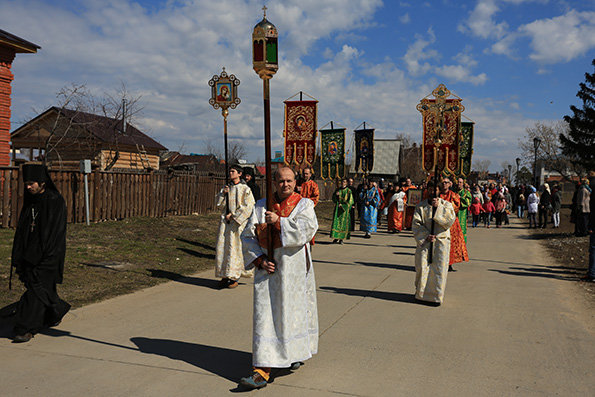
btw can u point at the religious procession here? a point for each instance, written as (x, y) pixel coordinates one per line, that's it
(268, 233)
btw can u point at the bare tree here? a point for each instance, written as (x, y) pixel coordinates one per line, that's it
(549, 150)
(411, 166)
(236, 151)
(482, 167)
(210, 147)
(67, 129)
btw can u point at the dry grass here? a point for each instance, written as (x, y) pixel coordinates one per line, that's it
(113, 258)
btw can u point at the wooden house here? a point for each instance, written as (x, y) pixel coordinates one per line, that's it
(63, 137)
(10, 45)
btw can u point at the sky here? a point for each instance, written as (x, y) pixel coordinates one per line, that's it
(513, 62)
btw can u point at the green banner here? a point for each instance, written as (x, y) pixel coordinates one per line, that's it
(332, 159)
(466, 150)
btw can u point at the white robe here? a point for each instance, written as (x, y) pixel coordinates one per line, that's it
(430, 278)
(285, 310)
(229, 261)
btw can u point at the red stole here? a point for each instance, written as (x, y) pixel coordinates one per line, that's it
(283, 209)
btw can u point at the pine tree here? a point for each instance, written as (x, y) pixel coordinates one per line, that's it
(579, 144)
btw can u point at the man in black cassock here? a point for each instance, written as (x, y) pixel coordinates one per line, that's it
(38, 254)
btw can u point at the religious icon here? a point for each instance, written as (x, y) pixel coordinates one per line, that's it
(332, 148)
(223, 92)
(300, 123)
(414, 197)
(364, 147)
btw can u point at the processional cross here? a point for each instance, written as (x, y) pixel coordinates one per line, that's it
(439, 134)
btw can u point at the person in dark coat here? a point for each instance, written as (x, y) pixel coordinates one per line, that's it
(251, 182)
(38, 254)
(545, 205)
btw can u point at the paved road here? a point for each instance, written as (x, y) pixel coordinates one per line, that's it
(512, 324)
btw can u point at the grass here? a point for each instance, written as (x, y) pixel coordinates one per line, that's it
(112, 258)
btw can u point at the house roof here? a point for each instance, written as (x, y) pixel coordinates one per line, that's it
(198, 160)
(16, 43)
(105, 129)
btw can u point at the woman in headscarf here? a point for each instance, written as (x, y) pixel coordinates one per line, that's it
(532, 207)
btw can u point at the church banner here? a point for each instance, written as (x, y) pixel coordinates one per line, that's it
(300, 132)
(448, 150)
(364, 150)
(466, 147)
(332, 159)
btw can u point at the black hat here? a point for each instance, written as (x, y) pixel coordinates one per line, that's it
(35, 172)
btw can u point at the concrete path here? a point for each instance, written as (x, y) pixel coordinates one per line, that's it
(512, 325)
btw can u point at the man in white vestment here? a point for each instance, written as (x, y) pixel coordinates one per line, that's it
(229, 261)
(430, 278)
(285, 312)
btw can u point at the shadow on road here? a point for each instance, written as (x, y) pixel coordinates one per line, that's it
(555, 272)
(226, 363)
(390, 296)
(200, 282)
(388, 266)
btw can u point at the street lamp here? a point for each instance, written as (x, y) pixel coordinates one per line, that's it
(509, 173)
(536, 143)
(518, 164)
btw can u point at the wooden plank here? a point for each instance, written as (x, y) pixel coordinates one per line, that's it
(6, 174)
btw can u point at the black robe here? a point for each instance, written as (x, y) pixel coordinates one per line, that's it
(38, 257)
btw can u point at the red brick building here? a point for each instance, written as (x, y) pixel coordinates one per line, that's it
(10, 45)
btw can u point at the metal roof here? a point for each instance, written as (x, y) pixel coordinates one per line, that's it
(386, 157)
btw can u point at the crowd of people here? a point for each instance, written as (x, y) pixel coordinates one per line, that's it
(274, 246)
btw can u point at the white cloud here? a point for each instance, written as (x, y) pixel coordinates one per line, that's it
(168, 53)
(405, 19)
(481, 23)
(562, 38)
(417, 52)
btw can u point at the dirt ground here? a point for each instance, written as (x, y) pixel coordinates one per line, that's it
(571, 253)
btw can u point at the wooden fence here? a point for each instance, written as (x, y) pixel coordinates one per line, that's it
(119, 195)
(116, 195)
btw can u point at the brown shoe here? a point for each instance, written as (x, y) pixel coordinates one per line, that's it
(232, 284)
(23, 338)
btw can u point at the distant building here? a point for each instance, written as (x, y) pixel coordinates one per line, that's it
(193, 162)
(10, 45)
(63, 137)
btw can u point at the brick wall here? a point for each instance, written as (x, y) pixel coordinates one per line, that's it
(6, 77)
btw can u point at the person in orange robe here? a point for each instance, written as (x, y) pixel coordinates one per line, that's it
(395, 202)
(309, 188)
(458, 248)
(409, 210)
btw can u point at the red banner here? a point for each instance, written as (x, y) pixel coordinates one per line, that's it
(448, 150)
(300, 132)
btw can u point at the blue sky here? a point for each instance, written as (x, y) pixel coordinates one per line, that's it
(513, 62)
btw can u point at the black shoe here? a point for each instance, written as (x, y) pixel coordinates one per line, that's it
(451, 269)
(23, 338)
(367, 236)
(295, 366)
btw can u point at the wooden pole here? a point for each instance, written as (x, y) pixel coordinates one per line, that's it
(225, 112)
(269, 177)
